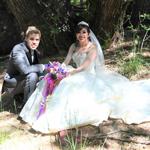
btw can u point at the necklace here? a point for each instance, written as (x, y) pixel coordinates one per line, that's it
(84, 48)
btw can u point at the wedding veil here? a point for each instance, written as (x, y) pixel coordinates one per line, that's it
(100, 58)
(100, 65)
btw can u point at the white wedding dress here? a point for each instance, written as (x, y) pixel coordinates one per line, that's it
(88, 97)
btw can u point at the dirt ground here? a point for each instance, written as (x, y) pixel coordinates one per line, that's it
(112, 135)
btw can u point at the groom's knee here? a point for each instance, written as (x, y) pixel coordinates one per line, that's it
(31, 81)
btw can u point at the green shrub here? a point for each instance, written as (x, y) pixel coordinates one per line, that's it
(131, 67)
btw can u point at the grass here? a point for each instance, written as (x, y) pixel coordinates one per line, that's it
(73, 140)
(4, 136)
(129, 64)
(131, 67)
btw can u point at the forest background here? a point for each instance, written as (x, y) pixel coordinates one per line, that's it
(122, 26)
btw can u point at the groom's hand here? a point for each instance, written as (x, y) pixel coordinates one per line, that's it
(46, 68)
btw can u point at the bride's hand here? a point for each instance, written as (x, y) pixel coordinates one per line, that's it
(63, 65)
(72, 72)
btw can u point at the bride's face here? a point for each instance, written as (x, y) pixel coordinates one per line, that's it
(82, 35)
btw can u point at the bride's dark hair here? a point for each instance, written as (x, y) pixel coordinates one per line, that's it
(80, 27)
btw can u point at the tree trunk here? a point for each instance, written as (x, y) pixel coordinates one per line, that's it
(24, 12)
(107, 16)
(49, 16)
(28, 13)
(9, 34)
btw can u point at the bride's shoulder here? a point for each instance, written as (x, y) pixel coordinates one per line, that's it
(92, 50)
(93, 47)
(72, 46)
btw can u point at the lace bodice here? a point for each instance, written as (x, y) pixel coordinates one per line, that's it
(79, 58)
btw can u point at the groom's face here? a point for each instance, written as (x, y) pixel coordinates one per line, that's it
(33, 41)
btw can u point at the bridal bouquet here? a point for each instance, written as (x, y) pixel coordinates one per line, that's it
(55, 74)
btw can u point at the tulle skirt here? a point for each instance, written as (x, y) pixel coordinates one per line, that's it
(86, 98)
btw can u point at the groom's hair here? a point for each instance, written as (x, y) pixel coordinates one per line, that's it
(32, 30)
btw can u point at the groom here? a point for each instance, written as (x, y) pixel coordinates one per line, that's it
(23, 67)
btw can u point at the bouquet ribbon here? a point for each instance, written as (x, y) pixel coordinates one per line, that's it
(51, 79)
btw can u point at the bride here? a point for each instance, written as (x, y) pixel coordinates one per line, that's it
(89, 94)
